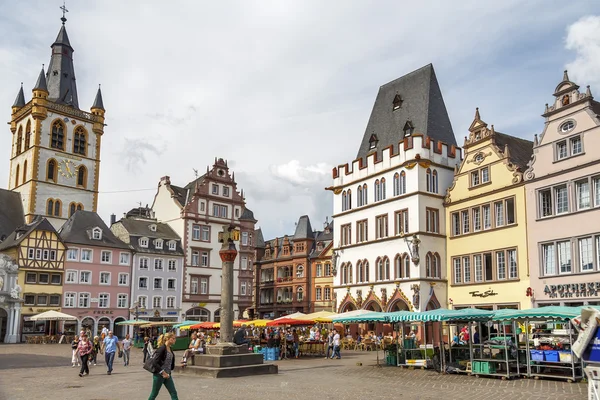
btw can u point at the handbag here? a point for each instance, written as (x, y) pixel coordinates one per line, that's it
(120, 353)
(149, 364)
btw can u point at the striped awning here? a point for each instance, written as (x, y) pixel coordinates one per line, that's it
(358, 318)
(550, 312)
(441, 314)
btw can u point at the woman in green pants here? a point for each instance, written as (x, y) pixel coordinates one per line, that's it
(164, 363)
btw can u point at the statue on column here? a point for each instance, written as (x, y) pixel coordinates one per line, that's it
(414, 249)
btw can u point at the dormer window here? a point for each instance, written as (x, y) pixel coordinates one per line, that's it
(172, 245)
(397, 103)
(215, 189)
(319, 246)
(152, 227)
(158, 243)
(373, 141)
(97, 234)
(408, 128)
(144, 242)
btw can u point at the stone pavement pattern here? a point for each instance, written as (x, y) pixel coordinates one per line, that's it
(44, 372)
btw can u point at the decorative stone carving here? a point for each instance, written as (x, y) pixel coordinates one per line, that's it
(359, 297)
(414, 249)
(416, 295)
(383, 296)
(15, 292)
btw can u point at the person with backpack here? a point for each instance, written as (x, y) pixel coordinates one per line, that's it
(163, 364)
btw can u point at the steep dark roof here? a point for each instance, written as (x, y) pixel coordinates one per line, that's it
(180, 194)
(78, 230)
(519, 150)
(98, 103)
(20, 233)
(421, 106)
(141, 228)
(62, 87)
(41, 84)
(247, 215)
(303, 229)
(259, 239)
(20, 100)
(11, 213)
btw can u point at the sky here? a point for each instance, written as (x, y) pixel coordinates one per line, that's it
(283, 89)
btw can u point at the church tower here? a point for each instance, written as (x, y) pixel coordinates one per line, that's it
(55, 157)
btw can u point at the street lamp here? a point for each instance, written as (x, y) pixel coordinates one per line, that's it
(136, 309)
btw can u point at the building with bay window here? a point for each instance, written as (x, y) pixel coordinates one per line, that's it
(563, 200)
(97, 275)
(486, 222)
(389, 219)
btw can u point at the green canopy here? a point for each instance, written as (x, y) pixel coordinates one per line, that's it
(185, 323)
(133, 322)
(441, 314)
(360, 318)
(550, 312)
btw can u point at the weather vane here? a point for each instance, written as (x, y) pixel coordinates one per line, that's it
(64, 10)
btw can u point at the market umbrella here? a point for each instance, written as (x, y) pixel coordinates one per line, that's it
(319, 316)
(53, 316)
(238, 323)
(293, 316)
(184, 323)
(259, 323)
(133, 322)
(289, 321)
(203, 325)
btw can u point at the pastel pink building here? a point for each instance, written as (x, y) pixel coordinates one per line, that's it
(97, 275)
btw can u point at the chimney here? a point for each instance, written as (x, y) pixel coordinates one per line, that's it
(113, 219)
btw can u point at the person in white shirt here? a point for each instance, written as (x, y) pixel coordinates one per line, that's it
(336, 345)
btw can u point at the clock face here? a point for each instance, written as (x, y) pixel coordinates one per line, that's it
(67, 168)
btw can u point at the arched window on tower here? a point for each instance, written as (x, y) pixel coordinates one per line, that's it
(50, 207)
(57, 208)
(28, 135)
(365, 195)
(434, 181)
(359, 197)
(25, 172)
(359, 272)
(57, 140)
(366, 270)
(386, 267)
(344, 200)
(79, 206)
(51, 170)
(82, 176)
(379, 271)
(19, 144)
(406, 261)
(349, 200)
(382, 189)
(80, 141)
(428, 179)
(17, 175)
(398, 267)
(376, 190)
(72, 209)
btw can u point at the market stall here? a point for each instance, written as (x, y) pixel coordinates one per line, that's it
(547, 341)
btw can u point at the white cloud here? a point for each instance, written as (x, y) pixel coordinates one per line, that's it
(583, 37)
(300, 175)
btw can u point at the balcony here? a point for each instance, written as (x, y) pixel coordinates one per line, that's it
(267, 282)
(285, 279)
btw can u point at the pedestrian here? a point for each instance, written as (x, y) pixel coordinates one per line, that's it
(336, 345)
(110, 346)
(126, 344)
(75, 357)
(84, 348)
(148, 349)
(296, 343)
(329, 344)
(164, 363)
(95, 350)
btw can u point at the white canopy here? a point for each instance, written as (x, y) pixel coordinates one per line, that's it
(53, 316)
(292, 316)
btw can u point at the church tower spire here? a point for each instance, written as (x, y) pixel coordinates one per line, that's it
(62, 87)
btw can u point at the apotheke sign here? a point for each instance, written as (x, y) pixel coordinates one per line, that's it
(572, 290)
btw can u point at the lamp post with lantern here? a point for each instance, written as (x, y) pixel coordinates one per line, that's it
(136, 309)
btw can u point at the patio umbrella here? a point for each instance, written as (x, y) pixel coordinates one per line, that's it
(203, 325)
(319, 316)
(294, 315)
(185, 323)
(238, 323)
(259, 323)
(53, 316)
(133, 322)
(289, 321)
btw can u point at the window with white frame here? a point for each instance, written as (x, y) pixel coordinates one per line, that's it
(513, 271)
(71, 276)
(203, 285)
(158, 264)
(171, 284)
(596, 183)
(582, 191)
(158, 243)
(122, 300)
(399, 183)
(499, 213)
(70, 299)
(106, 257)
(478, 264)
(318, 294)
(562, 199)
(158, 283)
(500, 265)
(327, 293)
(549, 259)
(196, 232)
(97, 234)
(464, 217)
(194, 285)
(569, 147)
(103, 301)
(143, 242)
(244, 262)
(143, 263)
(381, 226)
(170, 302)
(105, 278)
(243, 288)
(124, 258)
(219, 211)
(457, 270)
(85, 277)
(172, 265)
(466, 265)
(205, 233)
(123, 279)
(157, 302)
(84, 300)
(586, 254)
(215, 189)
(204, 259)
(564, 257)
(226, 191)
(143, 282)
(432, 220)
(86, 255)
(195, 258)
(362, 231)
(319, 270)
(476, 219)
(172, 245)
(142, 301)
(487, 216)
(72, 254)
(244, 238)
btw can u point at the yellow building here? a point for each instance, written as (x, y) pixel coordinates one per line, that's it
(40, 255)
(486, 261)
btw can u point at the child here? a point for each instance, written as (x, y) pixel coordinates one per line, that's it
(75, 357)
(95, 349)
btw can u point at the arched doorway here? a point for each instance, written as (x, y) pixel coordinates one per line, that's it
(87, 324)
(102, 322)
(120, 330)
(347, 307)
(372, 306)
(398, 305)
(3, 324)
(197, 314)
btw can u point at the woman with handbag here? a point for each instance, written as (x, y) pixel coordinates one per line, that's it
(84, 348)
(163, 366)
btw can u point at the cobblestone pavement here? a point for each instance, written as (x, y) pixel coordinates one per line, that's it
(44, 372)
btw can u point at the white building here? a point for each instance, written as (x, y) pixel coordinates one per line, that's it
(197, 213)
(388, 207)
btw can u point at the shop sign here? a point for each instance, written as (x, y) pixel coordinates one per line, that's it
(487, 293)
(572, 290)
(39, 310)
(103, 312)
(171, 312)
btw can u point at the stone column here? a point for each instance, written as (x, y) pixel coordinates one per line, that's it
(228, 254)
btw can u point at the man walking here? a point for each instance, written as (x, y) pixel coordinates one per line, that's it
(329, 344)
(110, 344)
(336, 345)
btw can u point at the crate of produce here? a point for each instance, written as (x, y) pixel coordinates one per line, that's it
(551, 355)
(409, 344)
(537, 355)
(488, 368)
(565, 356)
